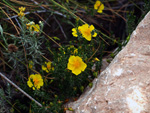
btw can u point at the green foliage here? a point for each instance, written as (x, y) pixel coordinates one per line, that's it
(5, 104)
(131, 22)
(31, 47)
(132, 19)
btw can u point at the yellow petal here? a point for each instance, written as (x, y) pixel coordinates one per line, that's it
(71, 59)
(101, 8)
(74, 32)
(36, 28)
(22, 9)
(97, 4)
(95, 34)
(76, 71)
(70, 66)
(88, 37)
(79, 28)
(29, 83)
(92, 28)
(84, 65)
(96, 59)
(43, 68)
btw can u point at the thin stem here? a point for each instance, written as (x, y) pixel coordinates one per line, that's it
(60, 27)
(3, 44)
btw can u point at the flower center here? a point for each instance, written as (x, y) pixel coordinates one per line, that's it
(48, 67)
(36, 82)
(87, 32)
(77, 64)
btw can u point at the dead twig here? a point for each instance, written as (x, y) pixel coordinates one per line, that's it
(40, 11)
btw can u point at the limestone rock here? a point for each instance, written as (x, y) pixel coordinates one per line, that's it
(124, 86)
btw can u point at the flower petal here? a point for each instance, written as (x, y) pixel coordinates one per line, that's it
(70, 66)
(71, 59)
(92, 28)
(76, 71)
(88, 37)
(84, 65)
(100, 9)
(95, 34)
(97, 4)
(74, 32)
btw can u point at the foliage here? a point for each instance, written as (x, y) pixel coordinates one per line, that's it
(54, 57)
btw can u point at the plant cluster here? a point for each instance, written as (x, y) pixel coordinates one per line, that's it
(49, 69)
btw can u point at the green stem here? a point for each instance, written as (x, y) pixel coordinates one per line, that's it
(3, 45)
(5, 41)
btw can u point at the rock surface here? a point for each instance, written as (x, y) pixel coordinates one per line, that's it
(124, 86)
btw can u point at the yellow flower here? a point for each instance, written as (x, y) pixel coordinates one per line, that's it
(99, 6)
(74, 32)
(21, 14)
(35, 81)
(48, 67)
(22, 9)
(76, 65)
(95, 60)
(36, 27)
(86, 31)
(33, 27)
(75, 51)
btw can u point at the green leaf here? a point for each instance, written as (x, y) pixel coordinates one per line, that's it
(128, 38)
(56, 38)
